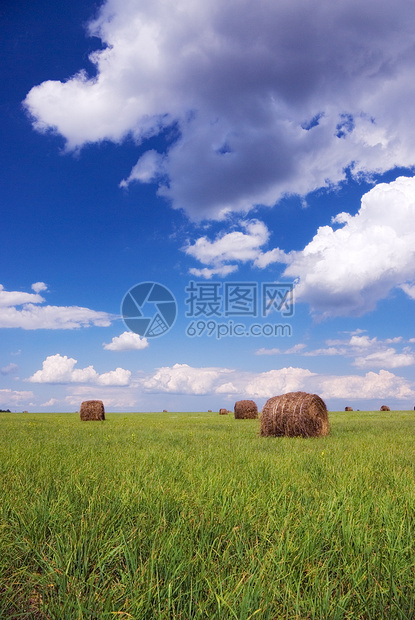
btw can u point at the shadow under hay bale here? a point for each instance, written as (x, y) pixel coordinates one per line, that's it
(92, 410)
(223, 412)
(245, 410)
(296, 414)
(348, 408)
(385, 408)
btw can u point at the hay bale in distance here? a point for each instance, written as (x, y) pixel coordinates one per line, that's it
(296, 414)
(348, 408)
(223, 412)
(245, 410)
(92, 410)
(385, 408)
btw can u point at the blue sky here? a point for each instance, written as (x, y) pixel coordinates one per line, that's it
(237, 145)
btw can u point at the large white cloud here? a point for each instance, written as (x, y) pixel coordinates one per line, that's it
(19, 309)
(268, 100)
(61, 369)
(348, 270)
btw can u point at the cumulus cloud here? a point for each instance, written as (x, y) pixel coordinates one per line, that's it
(61, 369)
(127, 341)
(264, 102)
(185, 379)
(280, 381)
(119, 376)
(38, 287)
(14, 397)
(373, 385)
(239, 246)
(348, 270)
(31, 315)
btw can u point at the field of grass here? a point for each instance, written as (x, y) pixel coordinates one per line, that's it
(194, 516)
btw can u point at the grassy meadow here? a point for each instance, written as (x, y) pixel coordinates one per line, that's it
(194, 516)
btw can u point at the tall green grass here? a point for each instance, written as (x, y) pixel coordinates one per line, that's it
(194, 516)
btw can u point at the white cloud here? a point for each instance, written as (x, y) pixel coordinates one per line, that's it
(61, 369)
(9, 299)
(387, 358)
(372, 386)
(227, 248)
(325, 351)
(184, 379)
(267, 102)
(13, 397)
(238, 246)
(33, 316)
(367, 352)
(127, 341)
(274, 382)
(409, 289)
(297, 348)
(10, 369)
(348, 270)
(146, 170)
(38, 287)
(50, 402)
(119, 376)
(208, 272)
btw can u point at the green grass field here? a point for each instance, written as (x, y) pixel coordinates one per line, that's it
(194, 516)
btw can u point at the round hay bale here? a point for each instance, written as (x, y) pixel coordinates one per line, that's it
(296, 414)
(245, 410)
(92, 410)
(209, 410)
(385, 408)
(223, 412)
(348, 408)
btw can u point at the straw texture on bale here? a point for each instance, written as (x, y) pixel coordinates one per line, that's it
(245, 410)
(296, 414)
(223, 412)
(348, 408)
(385, 408)
(92, 410)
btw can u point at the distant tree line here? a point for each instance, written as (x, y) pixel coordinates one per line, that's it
(5, 411)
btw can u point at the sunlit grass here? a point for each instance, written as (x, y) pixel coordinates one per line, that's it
(195, 516)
